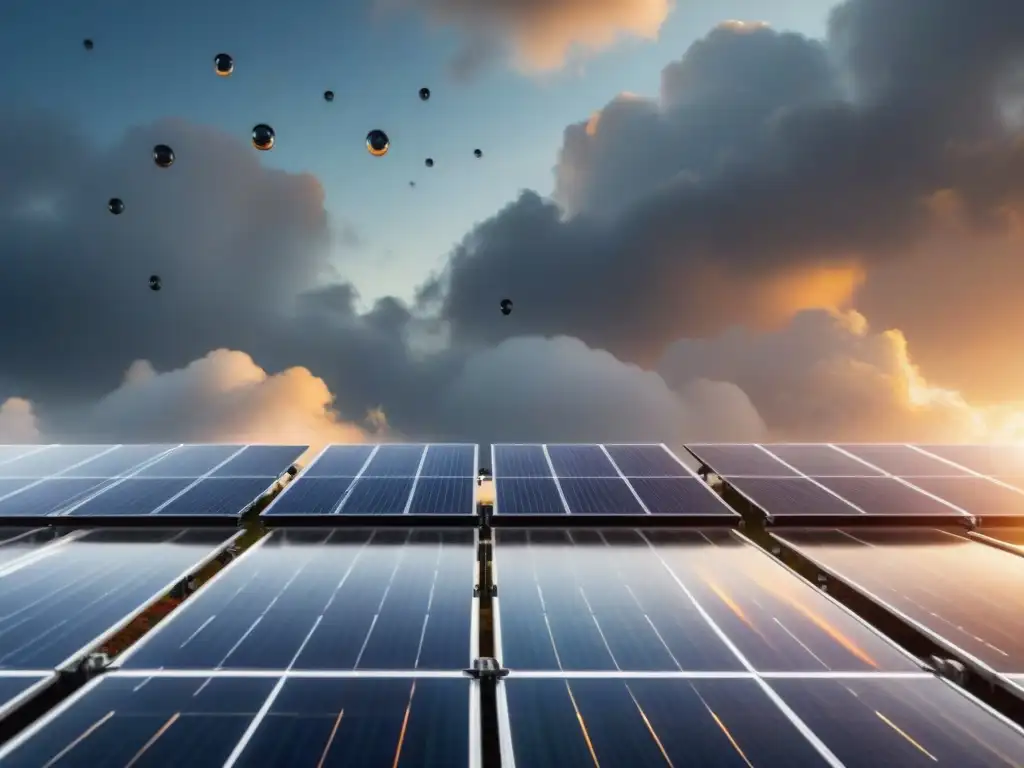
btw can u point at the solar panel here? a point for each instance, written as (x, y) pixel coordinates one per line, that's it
(18, 687)
(62, 600)
(314, 599)
(385, 481)
(253, 721)
(740, 461)
(822, 461)
(976, 495)
(903, 461)
(107, 485)
(990, 460)
(965, 595)
(586, 481)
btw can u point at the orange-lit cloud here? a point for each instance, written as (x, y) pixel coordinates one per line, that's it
(18, 422)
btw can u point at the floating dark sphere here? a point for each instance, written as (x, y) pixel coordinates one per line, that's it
(328, 95)
(424, 94)
(88, 44)
(477, 153)
(154, 282)
(506, 306)
(223, 64)
(263, 137)
(116, 206)
(163, 156)
(430, 162)
(412, 183)
(377, 143)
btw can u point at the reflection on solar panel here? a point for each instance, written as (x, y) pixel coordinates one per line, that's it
(587, 481)
(17, 687)
(389, 599)
(110, 483)
(60, 601)
(252, 722)
(615, 638)
(435, 480)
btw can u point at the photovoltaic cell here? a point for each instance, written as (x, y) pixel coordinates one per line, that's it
(53, 608)
(131, 497)
(679, 496)
(340, 461)
(17, 542)
(49, 496)
(378, 496)
(217, 497)
(120, 461)
(790, 497)
(599, 497)
(51, 460)
(887, 496)
(903, 461)
(270, 461)
(449, 461)
(13, 687)
(514, 496)
(821, 461)
(200, 722)
(975, 495)
(580, 461)
(645, 461)
(443, 496)
(395, 461)
(335, 600)
(740, 461)
(310, 496)
(990, 460)
(11, 452)
(190, 461)
(520, 461)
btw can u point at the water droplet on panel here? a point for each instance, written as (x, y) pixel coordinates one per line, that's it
(223, 64)
(263, 137)
(163, 156)
(377, 143)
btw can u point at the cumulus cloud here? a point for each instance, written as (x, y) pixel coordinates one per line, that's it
(18, 422)
(540, 34)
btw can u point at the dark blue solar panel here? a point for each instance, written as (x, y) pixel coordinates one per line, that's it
(449, 461)
(646, 461)
(886, 496)
(270, 461)
(975, 495)
(520, 461)
(120, 461)
(378, 496)
(218, 496)
(395, 461)
(443, 496)
(131, 497)
(190, 461)
(340, 461)
(51, 460)
(903, 461)
(49, 496)
(780, 497)
(679, 496)
(741, 461)
(310, 496)
(600, 497)
(12, 687)
(537, 496)
(10, 485)
(580, 461)
(821, 461)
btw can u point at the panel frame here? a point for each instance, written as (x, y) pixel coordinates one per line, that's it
(474, 621)
(338, 519)
(729, 518)
(474, 746)
(47, 678)
(979, 667)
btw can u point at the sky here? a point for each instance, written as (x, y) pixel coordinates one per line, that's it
(741, 220)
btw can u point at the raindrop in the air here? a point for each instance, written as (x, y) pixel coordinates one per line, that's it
(163, 156)
(424, 94)
(328, 95)
(155, 282)
(377, 143)
(477, 153)
(223, 64)
(88, 44)
(116, 206)
(430, 162)
(263, 137)
(506, 306)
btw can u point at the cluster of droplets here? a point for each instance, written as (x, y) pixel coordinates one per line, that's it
(264, 138)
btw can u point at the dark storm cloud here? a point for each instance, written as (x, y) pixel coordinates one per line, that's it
(751, 165)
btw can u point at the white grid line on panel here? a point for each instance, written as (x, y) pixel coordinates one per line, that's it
(200, 479)
(802, 476)
(348, 491)
(293, 481)
(622, 477)
(973, 473)
(416, 479)
(40, 480)
(558, 485)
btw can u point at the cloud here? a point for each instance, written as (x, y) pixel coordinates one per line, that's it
(18, 422)
(540, 34)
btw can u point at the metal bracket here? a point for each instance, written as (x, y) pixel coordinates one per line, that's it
(486, 668)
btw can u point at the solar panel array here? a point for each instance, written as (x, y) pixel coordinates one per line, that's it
(107, 483)
(432, 481)
(862, 481)
(581, 480)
